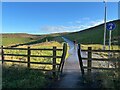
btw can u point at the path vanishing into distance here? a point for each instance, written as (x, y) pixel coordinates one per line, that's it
(72, 77)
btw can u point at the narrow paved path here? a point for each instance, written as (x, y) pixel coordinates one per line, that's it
(72, 77)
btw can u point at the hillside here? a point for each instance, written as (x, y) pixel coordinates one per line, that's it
(18, 39)
(94, 35)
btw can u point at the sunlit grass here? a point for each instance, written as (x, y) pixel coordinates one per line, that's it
(99, 47)
(48, 45)
(13, 41)
(17, 75)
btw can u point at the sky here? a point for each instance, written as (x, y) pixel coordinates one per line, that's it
(54, 17)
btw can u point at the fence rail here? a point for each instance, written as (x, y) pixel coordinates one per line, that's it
(32, 55)
(99, 68)
(89, 59)
(117, 51)
(30, 48)
(54, 64)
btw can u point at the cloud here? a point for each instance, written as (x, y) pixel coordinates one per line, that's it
(96, 22)
(56, 29)
(71, 28)
(79, 21)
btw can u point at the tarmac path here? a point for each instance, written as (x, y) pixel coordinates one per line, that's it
(72, 77)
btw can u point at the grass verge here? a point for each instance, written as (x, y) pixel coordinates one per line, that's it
(22, 77)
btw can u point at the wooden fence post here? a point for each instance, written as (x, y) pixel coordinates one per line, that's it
(2, 54)
(63, 57)
(28, 58)
(89, 64)
(80, 59)
(60, 68)
(54, 62)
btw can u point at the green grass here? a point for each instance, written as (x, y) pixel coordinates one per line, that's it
(107, 79)
(99, 46)
(93, 35)
(19, 39)
(12, 41)
(48, 45)
(22, 77)
(17, 75)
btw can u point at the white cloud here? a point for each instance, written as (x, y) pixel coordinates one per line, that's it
(71, 28)
(97, 22)
(79, 21)
(54, 29)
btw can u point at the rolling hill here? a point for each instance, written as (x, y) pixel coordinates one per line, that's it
(18, 39)
(95, 34)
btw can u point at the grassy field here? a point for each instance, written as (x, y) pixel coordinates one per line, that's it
(22, 77)
(16, 75)
(19, 39)
(109, 79)
(99, 47)
(14, 41)
(48, 45)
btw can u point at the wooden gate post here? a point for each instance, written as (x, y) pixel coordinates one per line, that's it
(54, 62)
(2, 54)
(28, 58)
(89, 64)
(60, 68)
(63, 57)
(80, 59)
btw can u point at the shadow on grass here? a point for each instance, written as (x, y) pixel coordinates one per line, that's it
(30, 43)
(38, 41)
(103, 80)
(22, 77)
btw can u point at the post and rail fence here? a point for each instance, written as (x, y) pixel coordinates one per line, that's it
(54, 64)
(60, 65)
(89, 59)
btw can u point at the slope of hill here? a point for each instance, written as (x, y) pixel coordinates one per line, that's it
(18, 39)
(94, 35)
